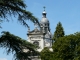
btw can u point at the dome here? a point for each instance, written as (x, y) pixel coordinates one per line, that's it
(44, 21)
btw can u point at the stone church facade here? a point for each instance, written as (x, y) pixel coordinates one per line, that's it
(42, 36)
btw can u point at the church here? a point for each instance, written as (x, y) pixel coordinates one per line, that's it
(41, 36)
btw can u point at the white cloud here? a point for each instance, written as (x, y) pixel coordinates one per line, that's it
(3, 59)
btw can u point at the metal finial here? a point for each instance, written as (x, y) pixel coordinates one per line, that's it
(44, 8)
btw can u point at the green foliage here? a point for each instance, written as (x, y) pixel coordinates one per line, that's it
(67, 47)
(15, 8)
(23, 56)
(59, 32)
(46, 54)
(13, 43)
(0, 23)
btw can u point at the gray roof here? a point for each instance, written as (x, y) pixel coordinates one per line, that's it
(44, 21)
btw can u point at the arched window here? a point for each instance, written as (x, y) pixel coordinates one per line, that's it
(36, 43)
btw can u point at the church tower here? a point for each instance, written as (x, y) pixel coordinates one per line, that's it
(44, 23)
(41, 37)
(45, 28)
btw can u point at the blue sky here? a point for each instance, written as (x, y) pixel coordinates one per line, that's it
(65, 11)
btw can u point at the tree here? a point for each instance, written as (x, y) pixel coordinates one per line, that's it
(67, 47)
(59, 32)
(46, 54)
(0, 23)
(15, 8)
(13, 43)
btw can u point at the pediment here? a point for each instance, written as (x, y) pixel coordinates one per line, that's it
(35, 32)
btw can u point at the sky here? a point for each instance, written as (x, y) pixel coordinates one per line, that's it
(65, 11)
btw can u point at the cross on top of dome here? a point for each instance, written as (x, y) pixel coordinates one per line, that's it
(44, 8)
(44, 20)
(44, 12)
